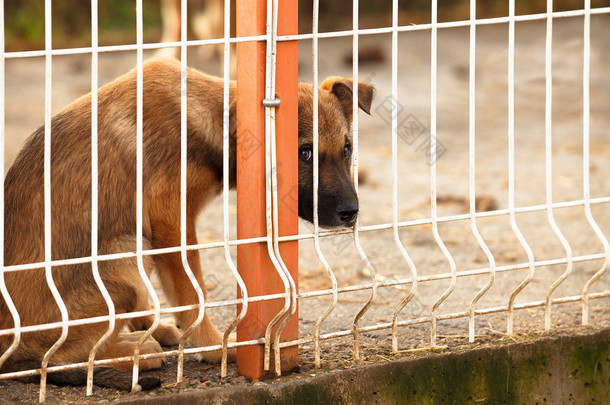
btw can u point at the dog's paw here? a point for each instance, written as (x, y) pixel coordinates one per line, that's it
(125, 346)
(215, 356)
(151, 346)
(167, 334)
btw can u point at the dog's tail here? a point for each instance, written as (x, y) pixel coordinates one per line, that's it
(106, 377)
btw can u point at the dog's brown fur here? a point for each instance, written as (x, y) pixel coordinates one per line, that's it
(71, 205)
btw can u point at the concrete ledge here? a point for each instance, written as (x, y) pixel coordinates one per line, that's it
(553, 370)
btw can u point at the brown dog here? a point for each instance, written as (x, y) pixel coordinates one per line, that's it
(71, 208)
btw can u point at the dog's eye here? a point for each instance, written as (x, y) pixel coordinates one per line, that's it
(305, 153)
(347, 151)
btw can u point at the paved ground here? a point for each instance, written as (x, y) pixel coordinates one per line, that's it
(24, 113)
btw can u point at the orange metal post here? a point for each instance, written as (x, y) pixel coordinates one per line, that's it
(253, 262)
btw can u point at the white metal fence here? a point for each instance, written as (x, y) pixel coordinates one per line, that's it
(488, 293)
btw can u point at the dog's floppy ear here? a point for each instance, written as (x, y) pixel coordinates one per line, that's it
(342, 88)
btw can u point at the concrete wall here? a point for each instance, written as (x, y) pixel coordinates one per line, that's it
(550, 370)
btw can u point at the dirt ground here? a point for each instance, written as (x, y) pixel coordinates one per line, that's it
(71, 79)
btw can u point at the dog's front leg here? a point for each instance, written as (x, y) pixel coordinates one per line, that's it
(180, 291)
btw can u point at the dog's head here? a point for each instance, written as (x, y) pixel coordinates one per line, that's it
(337, 198)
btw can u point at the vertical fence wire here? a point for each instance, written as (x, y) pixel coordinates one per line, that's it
(3, 288)
(511, 168)
(139, 199)
(316, 181)
(549, 165)
(433, 144)
(357, 244)
(396, 237)
(586, 162)
(271, 209)
(271, 197)
(472, 171)
(47, 204)
(289, 312)
(94, 197)
(183, 191)
(225, 187)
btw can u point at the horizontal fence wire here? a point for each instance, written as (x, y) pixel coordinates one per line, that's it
(320, 35)
(305, 236)
(408, 286)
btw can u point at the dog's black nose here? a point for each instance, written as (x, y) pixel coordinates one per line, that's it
(347, 213)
